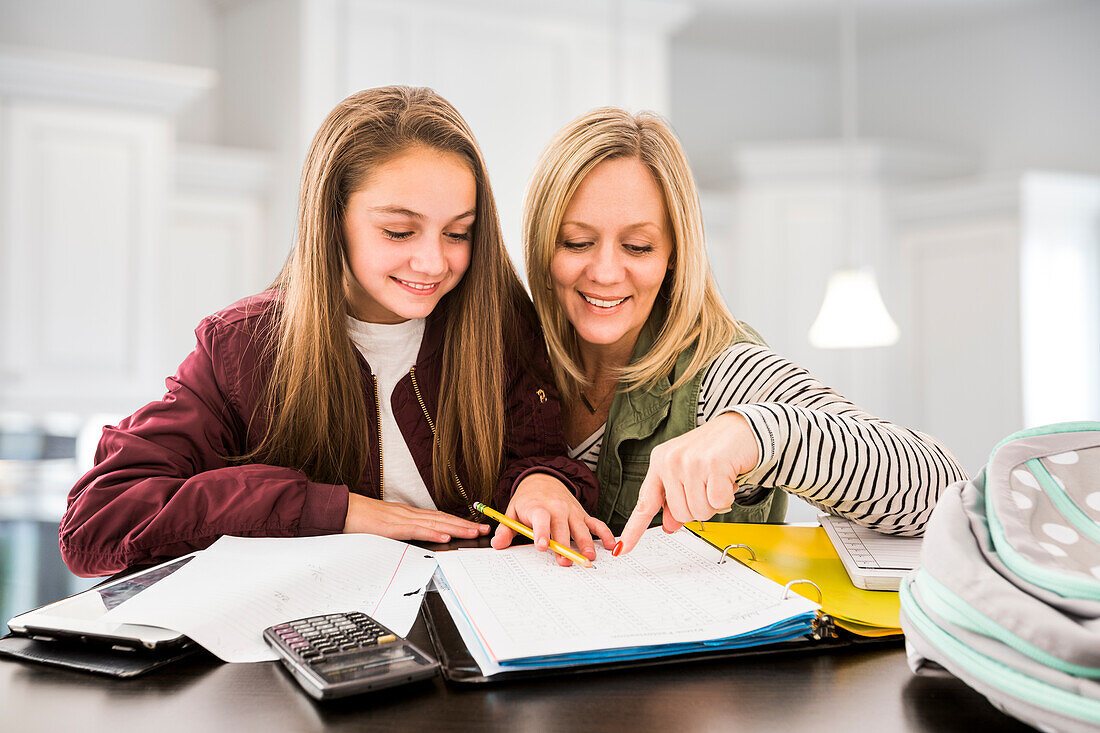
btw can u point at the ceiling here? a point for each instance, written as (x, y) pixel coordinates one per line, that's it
(810, 27)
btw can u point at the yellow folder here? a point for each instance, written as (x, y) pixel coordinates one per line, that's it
(785, 553)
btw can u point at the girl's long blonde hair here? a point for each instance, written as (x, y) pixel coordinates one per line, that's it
(315, 408)
(695, 313)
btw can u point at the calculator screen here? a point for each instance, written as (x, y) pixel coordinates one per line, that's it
(376, 661)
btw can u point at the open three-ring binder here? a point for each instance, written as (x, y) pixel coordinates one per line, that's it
(502, 615)
(786, 553)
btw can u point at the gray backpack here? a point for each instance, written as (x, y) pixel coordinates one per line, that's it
(1007, 597)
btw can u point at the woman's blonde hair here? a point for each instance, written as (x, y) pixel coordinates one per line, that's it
(695, 313)
(315, 408)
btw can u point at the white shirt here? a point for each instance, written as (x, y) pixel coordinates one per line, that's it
(391, 349)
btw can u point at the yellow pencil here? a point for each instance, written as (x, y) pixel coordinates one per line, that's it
(527, 532)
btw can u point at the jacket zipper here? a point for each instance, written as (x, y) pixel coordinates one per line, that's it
(431, 424)
(378, 412)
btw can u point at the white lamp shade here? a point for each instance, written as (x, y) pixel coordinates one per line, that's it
(853, 315)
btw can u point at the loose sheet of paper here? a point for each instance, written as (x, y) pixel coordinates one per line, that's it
(229, 593)
(670, 589)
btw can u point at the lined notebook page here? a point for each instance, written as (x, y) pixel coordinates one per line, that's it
(670, 589)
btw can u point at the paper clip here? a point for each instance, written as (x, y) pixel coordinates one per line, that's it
(788, 586)
(727, 548)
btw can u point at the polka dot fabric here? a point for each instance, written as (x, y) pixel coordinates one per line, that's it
(1050, 510)
(1079, 469)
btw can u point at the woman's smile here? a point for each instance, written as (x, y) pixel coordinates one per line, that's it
(605, 304)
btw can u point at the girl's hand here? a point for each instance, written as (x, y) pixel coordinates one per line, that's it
(403, 522)
(544, 504)
(693, 477)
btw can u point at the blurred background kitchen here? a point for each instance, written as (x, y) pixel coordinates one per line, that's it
(947, 150)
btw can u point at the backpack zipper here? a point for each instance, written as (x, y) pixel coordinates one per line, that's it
(431, 424)
(1060, 583)
(993, 672)
(1056, 581)
(954, 609)
(1065, 505)
(1064, 585)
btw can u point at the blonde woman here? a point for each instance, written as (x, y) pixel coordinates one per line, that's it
(673, 403)
(392, 376)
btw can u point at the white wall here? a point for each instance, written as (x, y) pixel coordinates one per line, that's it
(169, 31)
(1019, 90)
(722, 99)
(261, 99)
(1022, 93)
(165, 31)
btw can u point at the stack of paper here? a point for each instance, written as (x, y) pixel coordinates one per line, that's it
(518, 609)
(230, 592)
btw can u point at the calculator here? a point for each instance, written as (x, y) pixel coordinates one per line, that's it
(341, 654)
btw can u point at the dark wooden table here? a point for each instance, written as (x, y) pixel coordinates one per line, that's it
(851, 690)
(861, 691)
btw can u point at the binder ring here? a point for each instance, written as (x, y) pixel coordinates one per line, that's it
(727, 548)
(803, 581)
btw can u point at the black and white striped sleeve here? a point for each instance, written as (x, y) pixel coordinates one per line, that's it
(816, 444)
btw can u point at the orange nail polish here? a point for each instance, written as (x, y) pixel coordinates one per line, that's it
(618, 549)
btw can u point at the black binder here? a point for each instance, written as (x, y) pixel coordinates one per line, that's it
(458, 666)
(89, 658)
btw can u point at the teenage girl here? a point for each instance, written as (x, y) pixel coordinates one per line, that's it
(393, 375)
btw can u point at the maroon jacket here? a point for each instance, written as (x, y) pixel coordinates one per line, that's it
(162, 485)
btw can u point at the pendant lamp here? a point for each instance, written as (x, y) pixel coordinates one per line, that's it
(853, 314)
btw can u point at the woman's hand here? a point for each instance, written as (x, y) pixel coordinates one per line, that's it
(545, 504)
(693, 477)
(403, 522)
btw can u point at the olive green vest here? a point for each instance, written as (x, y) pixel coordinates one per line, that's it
(642, 419)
